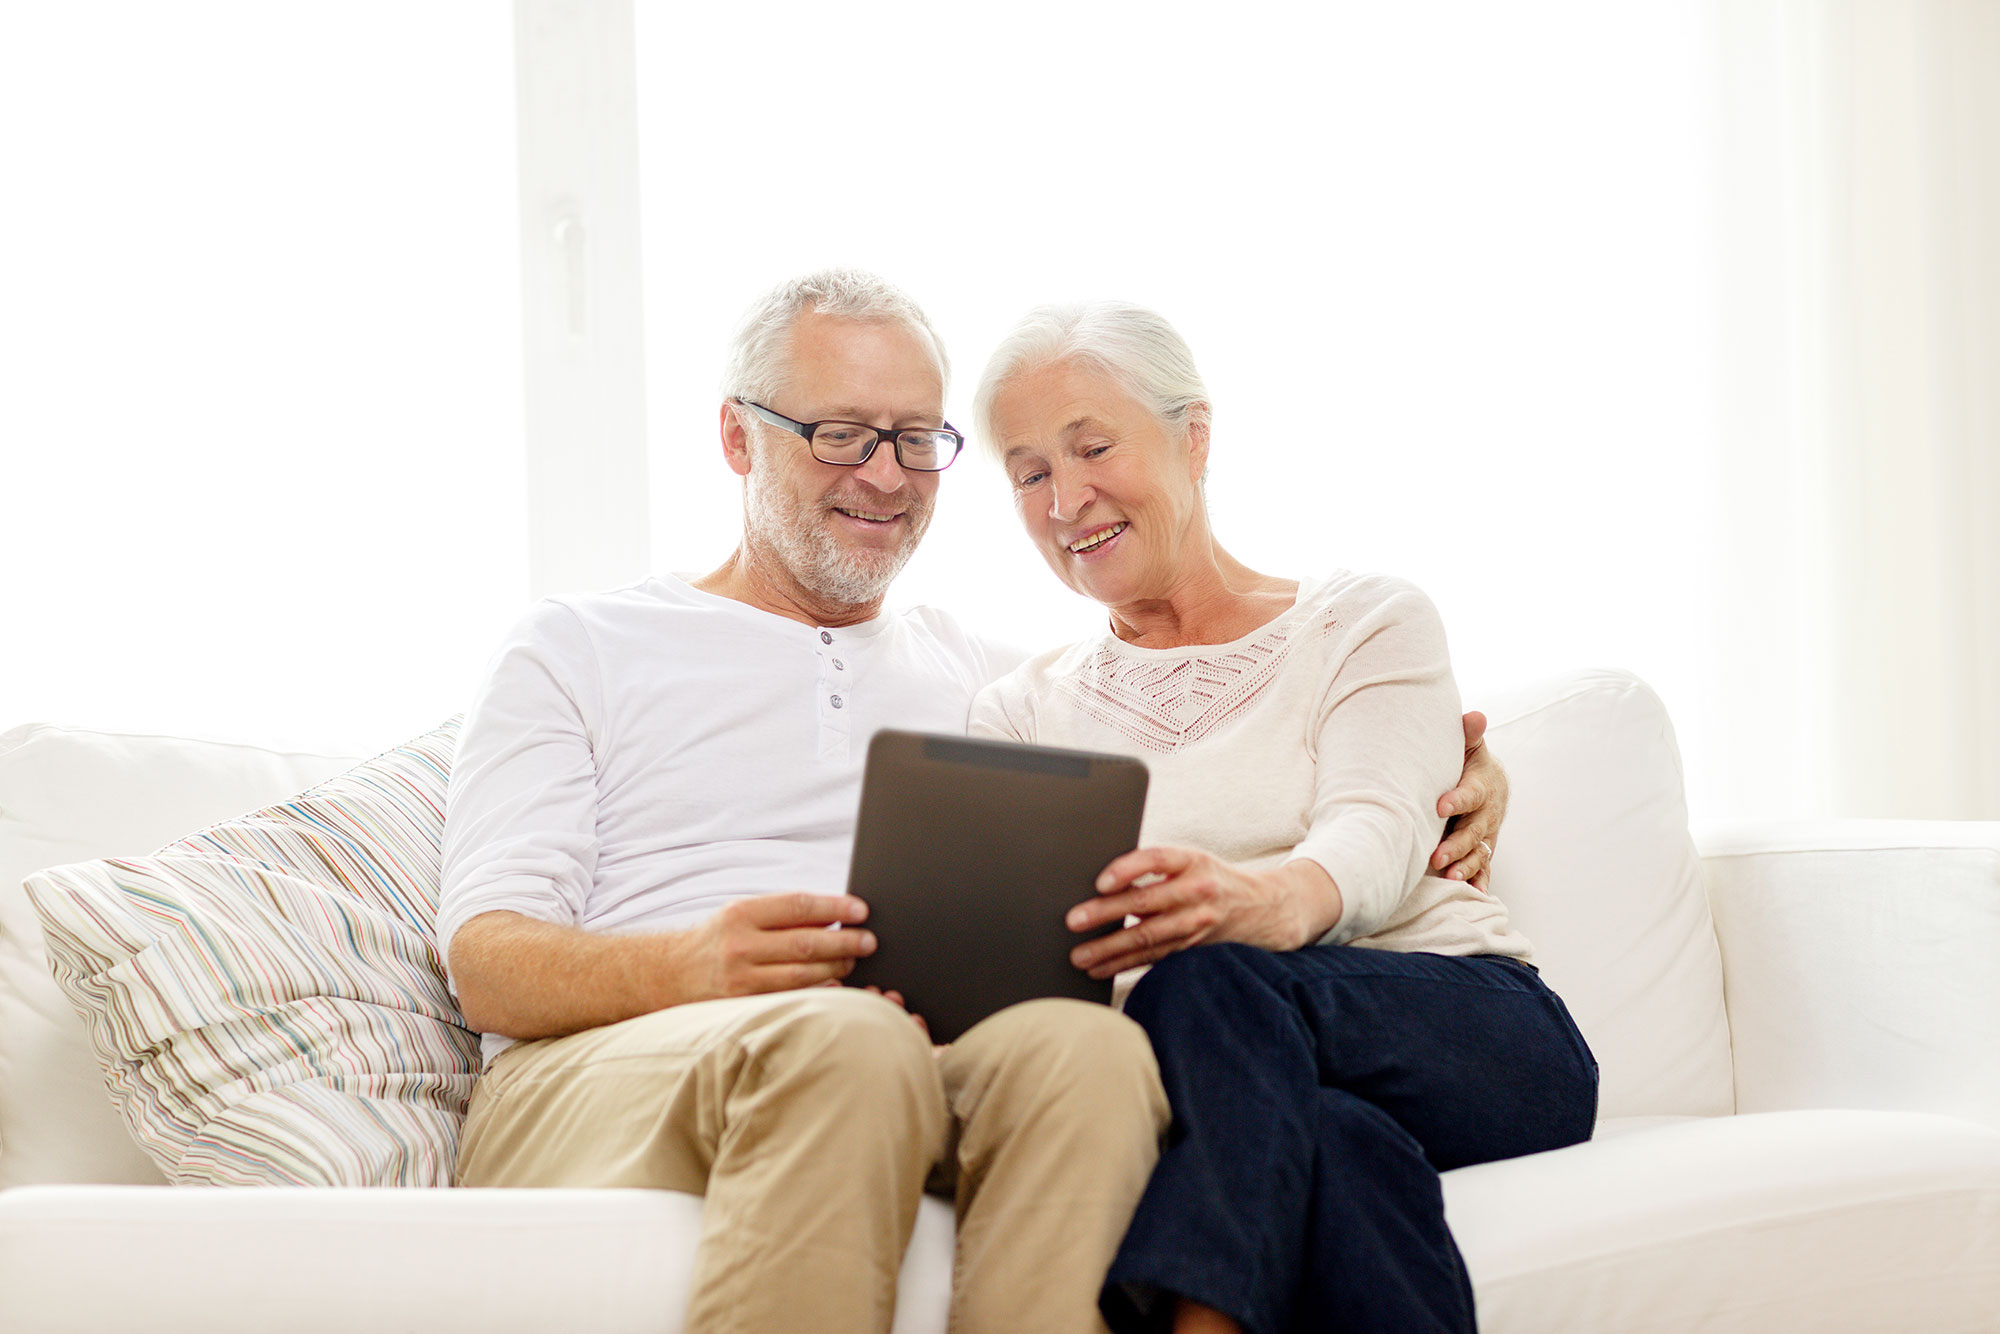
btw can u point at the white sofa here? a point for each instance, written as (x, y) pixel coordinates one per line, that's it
(1799, 1030)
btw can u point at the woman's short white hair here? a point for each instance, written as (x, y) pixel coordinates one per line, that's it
(1134, 346)
(760, 354)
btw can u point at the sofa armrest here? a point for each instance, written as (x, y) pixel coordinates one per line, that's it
(1861, 963)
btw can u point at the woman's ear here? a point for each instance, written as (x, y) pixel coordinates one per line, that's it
(1197, 438)
(735, 439)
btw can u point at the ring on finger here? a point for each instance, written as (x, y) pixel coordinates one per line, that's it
(1489, 849)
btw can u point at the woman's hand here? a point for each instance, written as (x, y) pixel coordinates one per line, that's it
(1476, 807)
(1191, 897)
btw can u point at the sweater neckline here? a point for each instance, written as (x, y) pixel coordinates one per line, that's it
(1309, 589)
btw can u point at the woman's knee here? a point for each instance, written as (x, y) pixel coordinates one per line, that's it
(1192, 981)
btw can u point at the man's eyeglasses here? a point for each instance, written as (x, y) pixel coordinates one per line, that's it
(849, 444)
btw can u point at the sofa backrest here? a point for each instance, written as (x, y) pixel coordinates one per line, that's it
(1596, 866)
(67, 795)
(1594, 862)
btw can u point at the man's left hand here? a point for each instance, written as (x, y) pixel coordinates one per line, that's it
(1475, 807)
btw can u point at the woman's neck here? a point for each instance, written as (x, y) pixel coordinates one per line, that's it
(1214, 600)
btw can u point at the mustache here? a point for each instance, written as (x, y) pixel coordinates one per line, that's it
(876, 503)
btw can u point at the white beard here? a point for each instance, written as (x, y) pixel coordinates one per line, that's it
(806, 550)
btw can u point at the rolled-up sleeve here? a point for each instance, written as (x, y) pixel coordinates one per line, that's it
(1387, 743)
(520, 828)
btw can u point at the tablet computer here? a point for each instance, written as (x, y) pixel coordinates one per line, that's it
(968, 853)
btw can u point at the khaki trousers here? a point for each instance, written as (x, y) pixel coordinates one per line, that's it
(813, 1120)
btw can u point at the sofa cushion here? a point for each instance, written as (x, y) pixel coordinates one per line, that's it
(264, 996)
(1596, 866)
(1817, 1221)
(68, 794)
(481, 1261)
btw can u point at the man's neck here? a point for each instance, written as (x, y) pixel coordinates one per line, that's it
(742, 579)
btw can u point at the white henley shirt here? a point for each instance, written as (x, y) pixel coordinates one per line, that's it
(636, 759)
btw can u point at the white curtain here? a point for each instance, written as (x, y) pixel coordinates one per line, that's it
(1858, 635)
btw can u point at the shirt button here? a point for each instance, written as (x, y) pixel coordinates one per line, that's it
(839, 666)
(837, 703)
(825, 638)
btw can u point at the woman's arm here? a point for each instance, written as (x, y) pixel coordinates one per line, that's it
(1384, 740)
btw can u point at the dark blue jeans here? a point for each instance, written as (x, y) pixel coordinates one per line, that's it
(1316, 1095)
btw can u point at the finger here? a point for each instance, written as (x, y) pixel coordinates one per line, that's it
(1475, 730)
(896, 997)
(1460, 843)
(921, 1024)
(1484, 826)
(1478, 882)
(1472, 862)
(1122, 871)
(808, 944)
(1153, 936)
(1469, 795)
(1139, 949)
(772, 911)
(1145, 901)
(793, 976)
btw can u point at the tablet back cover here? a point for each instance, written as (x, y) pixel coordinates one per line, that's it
(968, 853)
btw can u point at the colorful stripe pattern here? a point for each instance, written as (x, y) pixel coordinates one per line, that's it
(265, 996)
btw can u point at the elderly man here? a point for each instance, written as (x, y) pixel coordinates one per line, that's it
(649, 820)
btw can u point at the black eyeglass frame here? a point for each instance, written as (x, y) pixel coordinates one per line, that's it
(805, 430)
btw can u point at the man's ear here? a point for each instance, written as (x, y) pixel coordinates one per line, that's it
(735, 440)
(1197, 438)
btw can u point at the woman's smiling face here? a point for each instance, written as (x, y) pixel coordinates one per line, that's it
(1107, 494)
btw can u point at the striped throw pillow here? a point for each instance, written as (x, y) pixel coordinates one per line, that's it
(265, 996)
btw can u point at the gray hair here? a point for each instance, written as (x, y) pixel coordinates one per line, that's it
(1135, 347)
(759, 355)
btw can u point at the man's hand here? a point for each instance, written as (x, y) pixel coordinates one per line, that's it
(777, 942)
(1476, 807)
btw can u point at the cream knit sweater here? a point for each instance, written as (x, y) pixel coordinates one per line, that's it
(1327, 733)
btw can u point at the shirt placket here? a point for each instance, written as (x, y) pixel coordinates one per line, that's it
(836, 701)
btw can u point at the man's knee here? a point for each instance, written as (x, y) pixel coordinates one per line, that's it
(1066, 1053)
(844, 1043)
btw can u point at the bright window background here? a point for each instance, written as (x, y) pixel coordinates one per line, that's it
(262, 417)
(1446, 267)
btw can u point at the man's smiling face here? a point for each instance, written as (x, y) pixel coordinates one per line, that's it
(842, 534)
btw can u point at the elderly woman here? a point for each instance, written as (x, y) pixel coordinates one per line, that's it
(1334, 1025)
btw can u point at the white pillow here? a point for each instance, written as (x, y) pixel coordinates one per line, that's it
(1597, 868)
(264, 996)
